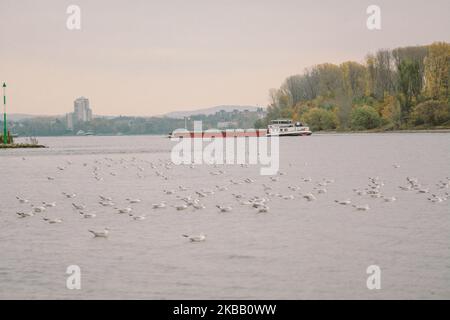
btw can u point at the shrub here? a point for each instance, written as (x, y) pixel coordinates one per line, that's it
(365, 117)
(320, 119)
(430, 113)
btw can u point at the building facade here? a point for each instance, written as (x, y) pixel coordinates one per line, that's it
(81, 113)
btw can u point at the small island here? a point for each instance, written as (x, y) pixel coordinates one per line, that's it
(31, 143)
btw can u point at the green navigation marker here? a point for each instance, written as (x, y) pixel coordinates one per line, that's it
(5, 129)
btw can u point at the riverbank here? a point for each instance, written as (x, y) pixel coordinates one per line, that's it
(21, 146)
(385, 131)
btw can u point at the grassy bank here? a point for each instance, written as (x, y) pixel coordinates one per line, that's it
(21, 146)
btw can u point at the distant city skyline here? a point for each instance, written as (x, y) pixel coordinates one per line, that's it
(149, 58)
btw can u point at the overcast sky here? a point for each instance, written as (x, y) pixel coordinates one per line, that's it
(147, 57)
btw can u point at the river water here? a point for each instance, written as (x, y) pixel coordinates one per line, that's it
(298, 250)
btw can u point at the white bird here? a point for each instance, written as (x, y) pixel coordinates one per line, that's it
(195, 238)
(49, 204)
(197, 205)
(21, 200)
(69, 195)
(309, 197)
(87, 215)
(343, 202)
(108, 199)
(25, 214)
(359, 192)
(221, 188)
(181, 207)
(159, 205)
(389, 199)
(224, 209)
(133, 200)
(38, 209)
(79, 206)
(137, 217)
(107, 203)
(100, 234)
(52, 221)
(124, 210)
(362, 208)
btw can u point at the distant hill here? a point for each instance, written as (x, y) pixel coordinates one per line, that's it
(208, 111)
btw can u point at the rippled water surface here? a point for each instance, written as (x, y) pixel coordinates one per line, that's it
(298, 250)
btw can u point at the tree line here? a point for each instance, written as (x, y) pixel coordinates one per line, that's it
(393, 89)
(51, 126)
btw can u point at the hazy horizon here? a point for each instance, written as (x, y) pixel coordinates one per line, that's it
(151, 58)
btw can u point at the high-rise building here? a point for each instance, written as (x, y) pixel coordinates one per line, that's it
(81, 109)
(81, 113)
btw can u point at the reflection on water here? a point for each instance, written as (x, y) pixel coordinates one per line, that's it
(299, 249)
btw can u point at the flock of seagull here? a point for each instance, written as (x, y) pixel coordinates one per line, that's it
(182, 198)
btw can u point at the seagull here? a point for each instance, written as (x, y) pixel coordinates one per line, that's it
(359, 192)
(224, 209)
(263, 209)
(309, 197)
(52, 221)
(196, 238)
(197, 205)
(79, 206)
(25, 214)
(38, 209)
(133, 200)
(49, 204)
(159, 205)
(343, 202)
(100, 234)
(21, 200)
(389, 199)
(69, 196)
(87, 215)
(106, 203)
(362, 208)
(108, 199)
(124, 210)
(137, 217)
(181, 207)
